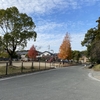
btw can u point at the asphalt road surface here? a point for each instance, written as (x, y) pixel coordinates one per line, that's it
(70, 83)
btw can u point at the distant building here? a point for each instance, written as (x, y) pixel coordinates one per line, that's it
(84, 59)
(23, 54)
(45, 53)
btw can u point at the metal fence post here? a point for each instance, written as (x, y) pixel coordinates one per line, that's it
(39, 64)
(45, 64)
(32, 67)
(22, 67)
(50, 64)
(6, 68)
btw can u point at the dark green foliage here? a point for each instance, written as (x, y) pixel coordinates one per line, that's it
(92, 42)
(76, 55)
(16, 28)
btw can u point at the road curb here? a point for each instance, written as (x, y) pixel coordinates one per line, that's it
(92, 77)
(26, 74)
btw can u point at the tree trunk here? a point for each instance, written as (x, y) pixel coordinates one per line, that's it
(10, 61)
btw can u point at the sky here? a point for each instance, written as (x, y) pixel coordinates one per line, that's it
(55, 18)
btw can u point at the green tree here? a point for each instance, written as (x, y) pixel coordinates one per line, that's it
(95, 51)
(92, 42)
(4, 55)
(16, 29)
(76, 55)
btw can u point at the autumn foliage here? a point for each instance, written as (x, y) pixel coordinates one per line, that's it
(32, 53)
(65, 48)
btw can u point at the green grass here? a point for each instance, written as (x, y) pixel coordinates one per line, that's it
(11, 70)
(2, 70)
(96, 67)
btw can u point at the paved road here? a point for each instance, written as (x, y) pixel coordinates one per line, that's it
(70, 83)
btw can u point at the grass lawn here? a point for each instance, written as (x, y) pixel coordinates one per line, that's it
(27, 67)
(11, 70)
(96, 67)
(19, 70)
(2, 71)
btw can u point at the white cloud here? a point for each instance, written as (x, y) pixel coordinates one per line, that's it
(33, 6)
(49, 34)
(43, 6)
(46, 29)
(47, 39)
(49, 26)
(55, 41)
(76, 40)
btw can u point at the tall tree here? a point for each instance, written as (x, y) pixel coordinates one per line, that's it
(65, 48)
(92, 42)
(16, 29)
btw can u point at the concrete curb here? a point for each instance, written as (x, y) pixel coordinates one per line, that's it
(93, 77)
(23, 75)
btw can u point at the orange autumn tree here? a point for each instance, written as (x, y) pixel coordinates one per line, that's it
(65, 48)
(32, 53)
